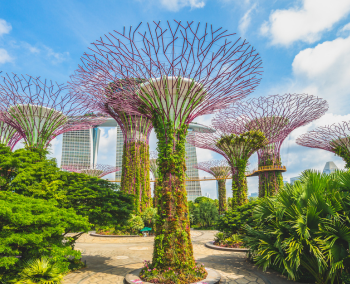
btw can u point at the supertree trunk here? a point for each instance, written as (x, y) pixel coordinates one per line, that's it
(135, 174)
(173, 226)
(239, 184)
(222, 195)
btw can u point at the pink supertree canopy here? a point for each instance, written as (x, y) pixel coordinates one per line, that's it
(202, 69)
(94, 171)
(334, 138)
(217, 168)
(8, 135)
(276, 116)
(40, 110)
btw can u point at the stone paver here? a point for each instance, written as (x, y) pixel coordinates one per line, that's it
(109, 260)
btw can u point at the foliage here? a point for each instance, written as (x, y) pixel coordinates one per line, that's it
(233, 221)
(343, 152)
(233, 241)
(201, 199)
(206, 213)
(135, 224)
(305, 227)
(41, 271)
(149, 217)
(31, 227)
(151, 274)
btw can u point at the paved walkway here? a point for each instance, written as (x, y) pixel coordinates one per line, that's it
(109, 260)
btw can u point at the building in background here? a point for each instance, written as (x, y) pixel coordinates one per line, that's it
(294, 179)
(253, 194)
(329, 168)
(80, 147)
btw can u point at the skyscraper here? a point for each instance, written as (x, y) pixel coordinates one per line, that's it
(80, 147)
(329, 168)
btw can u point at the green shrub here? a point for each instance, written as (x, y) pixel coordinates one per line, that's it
(206, 214)
(31, 228)
(305, 227)
(135, 224)
(233, 221)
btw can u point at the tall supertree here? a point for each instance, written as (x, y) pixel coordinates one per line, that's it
(96, 171)
(334, 138)
(40, 110)
(236, 148)
(221, 170)
(276, 117)
(187, 70)
(8, 135)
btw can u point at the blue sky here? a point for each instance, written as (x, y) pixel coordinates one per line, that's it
(304, 45)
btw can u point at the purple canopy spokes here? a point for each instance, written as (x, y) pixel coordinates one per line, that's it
(40, 110)
(334, 138)
(98, 170)
(8, 135)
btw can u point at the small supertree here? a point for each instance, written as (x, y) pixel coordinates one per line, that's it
(8, 135)
(236, 149)
(276, 117)
(187, 71)
(334, 138)
(41, 110)
(221, 170)
(96, 171)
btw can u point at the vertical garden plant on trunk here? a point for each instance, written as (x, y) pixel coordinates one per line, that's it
(187, 70)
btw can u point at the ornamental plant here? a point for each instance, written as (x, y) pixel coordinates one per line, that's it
(305, 228)
(276, 117)
(187, 70)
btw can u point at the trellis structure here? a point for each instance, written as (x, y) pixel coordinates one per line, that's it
(8, 135)
(221, 170)
(334, 138)
(41, 110)
(236, 148)
(98, 170)
(276, 117)
(187, 70)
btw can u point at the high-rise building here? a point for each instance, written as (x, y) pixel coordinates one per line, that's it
(329, 168)
(80, 147)
(294, 179)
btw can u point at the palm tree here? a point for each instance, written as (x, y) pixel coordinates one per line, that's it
(41, 271)
(305, 227)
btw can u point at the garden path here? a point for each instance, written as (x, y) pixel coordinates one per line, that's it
(110, 259)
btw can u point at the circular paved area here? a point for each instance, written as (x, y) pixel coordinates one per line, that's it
(109, 260)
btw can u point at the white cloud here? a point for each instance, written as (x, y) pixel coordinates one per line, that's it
(56, 57)
(5, 27)
(176, 5)
(325, 71)
(245, 20)
(305, 23)
(4, 56)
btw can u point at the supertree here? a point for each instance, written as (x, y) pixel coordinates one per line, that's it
(221, 170)
(96, 171)
(187, 71)
(8, 135)
(40, 110)
(276, 117)
(153, 163)
(236, 148)
(334, 138)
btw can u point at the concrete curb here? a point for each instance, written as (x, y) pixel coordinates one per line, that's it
(113, 236)
(212, 246)
(213, 277)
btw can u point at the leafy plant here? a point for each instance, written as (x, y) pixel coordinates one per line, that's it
(41, 271)
(206, 213)
(305, 227)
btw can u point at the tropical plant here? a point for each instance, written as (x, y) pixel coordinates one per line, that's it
(305, 227)
(149, 217)
(41, 271)
(135, 224)
(206, 214)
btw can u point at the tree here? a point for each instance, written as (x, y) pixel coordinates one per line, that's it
(31, 228)
(206, 213)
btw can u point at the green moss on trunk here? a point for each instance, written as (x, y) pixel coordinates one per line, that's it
(222, 195)
(172, 245)
(239, 184)
(270, 182)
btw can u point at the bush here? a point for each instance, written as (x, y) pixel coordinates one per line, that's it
(31, 228)
(233, 221)
(149, 217)
(305, 227)
(135, 224)
(206, 213)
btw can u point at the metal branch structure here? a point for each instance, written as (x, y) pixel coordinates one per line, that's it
(40, 110)
(171, 73)
(276, 117)
(221, 170)
(236, 148)
(8, 135)
(334, 138)
(98, 170)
